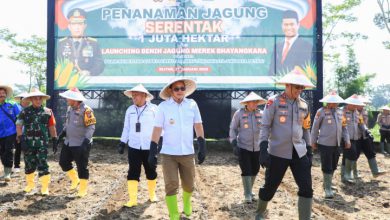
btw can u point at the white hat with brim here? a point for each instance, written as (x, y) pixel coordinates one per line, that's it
(297, 78)
(387, 108)
(253, 97)
(73, 94)
(8, 90)
(138, 88)
(189, 84)
(36, 93)
(21, 96)
(354, 100)
(332, 97)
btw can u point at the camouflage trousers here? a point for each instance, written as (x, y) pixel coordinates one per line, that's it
(36, 158)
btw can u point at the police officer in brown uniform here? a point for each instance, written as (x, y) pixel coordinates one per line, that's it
(285, 142)
(78, 131)
(327, 130)
(245, 137)
(383, 121)
(83, 51)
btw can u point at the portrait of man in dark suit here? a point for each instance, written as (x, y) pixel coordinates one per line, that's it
(83, 51)
(293, 50)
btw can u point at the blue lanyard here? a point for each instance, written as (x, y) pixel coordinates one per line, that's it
(139, 115)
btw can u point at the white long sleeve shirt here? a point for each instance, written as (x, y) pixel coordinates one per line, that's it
(145, 115)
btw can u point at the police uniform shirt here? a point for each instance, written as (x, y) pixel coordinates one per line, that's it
(145, 116)
(177, 121)
(79, 124)
(355, 124)
(286, 124)
(245, 127)
(84, 51)
(328, 127)
(384, 121)
(7, 125)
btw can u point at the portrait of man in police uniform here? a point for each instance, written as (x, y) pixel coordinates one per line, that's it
(83, 51)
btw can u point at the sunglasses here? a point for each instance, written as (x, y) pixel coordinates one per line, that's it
(298, 87)
(176, 89)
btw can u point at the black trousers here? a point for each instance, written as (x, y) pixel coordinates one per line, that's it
(138, 158)
(367, 147)
(249, 162)
(301, 170)
(18, 152)
(6, 146)
(385, 136)
(329, 158)
(351, 153)
(78, 154)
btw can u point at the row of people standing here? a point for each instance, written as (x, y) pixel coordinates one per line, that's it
(173, 121)
(283, 131)
(34, 129)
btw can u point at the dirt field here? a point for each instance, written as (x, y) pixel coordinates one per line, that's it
(218, 194)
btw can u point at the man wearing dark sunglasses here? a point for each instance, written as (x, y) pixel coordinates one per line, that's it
(178, 117)
(284, 142)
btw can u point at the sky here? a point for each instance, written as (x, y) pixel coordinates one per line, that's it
(32, 16)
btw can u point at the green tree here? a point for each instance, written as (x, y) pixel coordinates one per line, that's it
(30, 52)
(336, 42)
(382, 19)
(333, 15)
(380, 96)
(349, 81)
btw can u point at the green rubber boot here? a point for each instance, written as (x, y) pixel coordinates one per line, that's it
(328, 186)
(348, 171)
(304, 208)
(247, 183)
(261, 208)
(172, 207)
(374, 168)
(187, 206)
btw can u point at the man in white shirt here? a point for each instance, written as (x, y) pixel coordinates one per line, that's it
(177, 116)
(137, 131)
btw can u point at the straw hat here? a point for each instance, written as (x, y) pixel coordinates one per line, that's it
(73, 94)
(387, 108)
(8, 90)
(20, 96)
(138, 88)
(354, 100)
(332, 97)
(253, 97)
(297, 78)
(189, 84)
(36, 93)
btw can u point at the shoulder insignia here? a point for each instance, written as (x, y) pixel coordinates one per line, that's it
(89, 117)
(306, 122)
(47, 110)
(318, 114)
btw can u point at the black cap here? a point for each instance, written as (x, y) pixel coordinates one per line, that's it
(290, 14)
(77, 15)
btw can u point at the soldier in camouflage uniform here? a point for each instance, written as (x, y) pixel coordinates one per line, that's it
(83, 51)
(38, 124)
